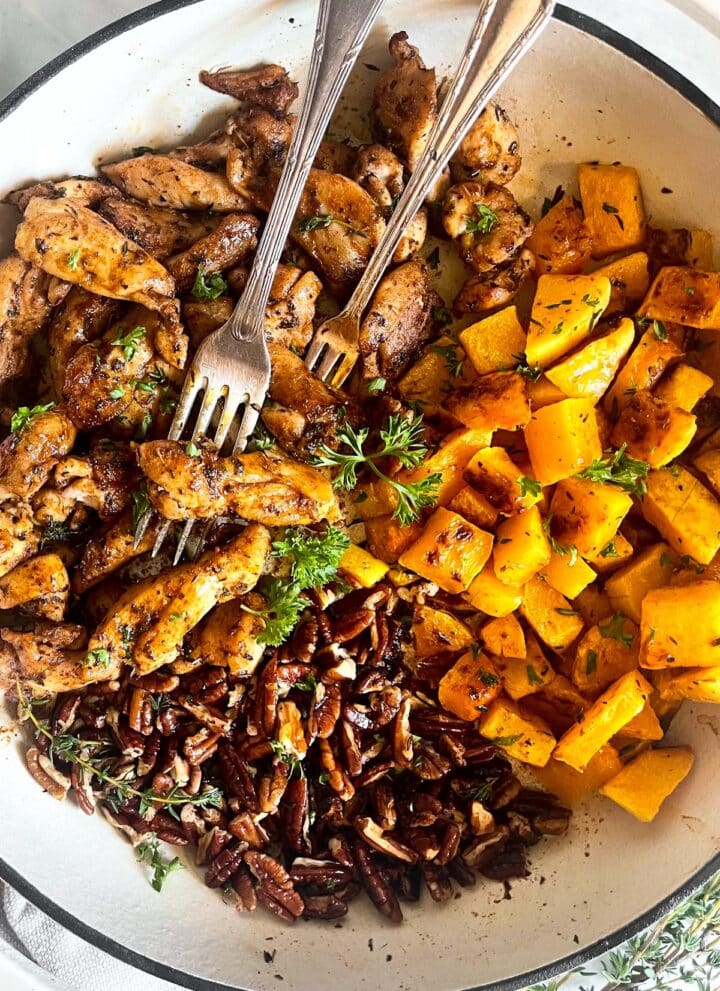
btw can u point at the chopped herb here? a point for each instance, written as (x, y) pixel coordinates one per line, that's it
(148, 852)
(308, 684)
(376, 385)
(211, 287)
(129, 343)
(529, 486)
(287, 757)
(140, 505)
(505, 741)
(665, 559)
(485, 221)
(98, 658)
(284, 604)
(448, 352)
(590, 662)
(117, 393)
(689, 290)
(177, 615)
(549, 202)
(488, 678)
(556, 546)
(441, 315)
(614, 630)
(144, 426)
(609, 550)
(320, 221)
(619, 469)
(26, 414)
(659, 330)
(558, 328)
(566, 612)
(74, 260)
(192, 450)
(531, 372)
(532, 676)
(613, 211)
(314, 558)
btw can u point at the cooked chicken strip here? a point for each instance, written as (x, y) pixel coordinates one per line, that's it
(380, 172)
(228, 638)
(160, 180)
(488, 223)
(413, 238)
(497, 287)
(267, 86)
(77, 245)
(40, 587)
(24, 308)
(147, 626)
(260, 141)
(104, 479)
(405, 102)
(489, 151)
(108, 550)
(202, 316)
(28, 456)
(234, 238)
(83, 190)
(336, 156)
(398, 322)
(262, 486)
(50, 660)
(83, 318)
(159, 230)
(19, 535)
(291, 308)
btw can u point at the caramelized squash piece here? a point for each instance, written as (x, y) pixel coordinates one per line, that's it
(653, 431)
(567, 573)
(494, 401)
(646, 363)
(474, 507)
(449, 461)
(613, 555)
(588, 372)
(629, 281)
(521, 547)
(686, 514)
(361, 566)
(651, 568)
(645, 782)
(550, 614)
(469, 687)
(561, 242)
(521, 735)
(504, 637)
(613, 206)
(387, 537)
(686, 296)
(680, 626)
(494, 343)
(450, 551)
(491, 596)
(683, 386)
(586, 514)
(699, 684)
(571, 786)
(493, 473)
(607, 651)
(435, 631)
(645, 726)
(565, 311)
(562, 439)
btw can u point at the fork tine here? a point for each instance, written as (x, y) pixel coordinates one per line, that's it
(227, 417)
(186, 531)
(210, 401)
(189, 394)
(312, 355)
(324, 371)
(247, 425)
(141, 528)
(160, 539)
(341, 373)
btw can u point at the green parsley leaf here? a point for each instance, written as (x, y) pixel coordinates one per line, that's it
(320, 221)
(485, 221)
(614, 630)
(505, 741)
(98, 658)
(488, 678)
(211, 287)
(529, 486)
(284, 604)
(609, 550)
(148, 852)
(117, 393)
(192, 450)
(531, 372)
(441, 315)
(140, 505)
(590, 662)
(294, 763)
(314, 558)
(129, 343)
(73, 260)
(25, 414)
(449, 354)
(308, 684)
(376, 385)
(532, 676)
(619, 469)
(659, 330)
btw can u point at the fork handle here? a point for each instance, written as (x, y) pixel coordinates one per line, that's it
(342, 27)
(502, 33)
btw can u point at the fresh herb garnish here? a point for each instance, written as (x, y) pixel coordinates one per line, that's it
(314, 558)
(308, 684)
(73, 260)
(529, 486)
(590, 662)
(192, 450)
(659, 330)
(531, 372)
(25, 414)
(556, 546)
(376, 385)
(284, 604)
(148, 852)
(98, 658)
(287, 757)
(566, 612)
(140, 505)
(320, 221)
(505, 741)
(441, 315)
(614, 630)
(485, 221)
(532, 676)
(448, 352)
(488, 678)
(619, 469)
(117, 393)
(129, 343)
(609, 550)
(433, 259)
(210, 287)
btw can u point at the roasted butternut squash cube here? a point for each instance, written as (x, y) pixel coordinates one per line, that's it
(562, 439)
(450, 551)
(435, 631)
(571, 786)
(644, 366)
(491, 596)
(504, 637)
(521, 678)
(561, 242)
(684, 511)
(708, 462)
(449, 462)
(605, 653)
(373, 499)
(645, 782)
(613, 555)
(652, 431)
(699, 684)
(613, 207)
(494, 401)
(593, 604)
(543, 392)
(559, 703)
(427, 381)
(680, 246)
(474, 507)
(360, 565)
(683, 386)
(521, 547)
(567, 573)
(645, 726)
(494, 474)
(680, 626)
(684, 295)
(521, 735)
(629, 281)
(565, 311)
(494, 343)
(550, 614)
(651, 568)
(470, 686)
(387, 537)
(586, 514)
(605, 717)
(587, 373)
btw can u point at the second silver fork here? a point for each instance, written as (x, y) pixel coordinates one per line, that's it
(231, 368)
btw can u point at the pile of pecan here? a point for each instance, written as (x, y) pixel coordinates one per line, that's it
(338, 770)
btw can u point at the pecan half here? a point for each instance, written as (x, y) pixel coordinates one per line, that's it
(54, 782)
(376, 884)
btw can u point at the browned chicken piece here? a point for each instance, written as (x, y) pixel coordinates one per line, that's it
(487, 222)
(404, 103)
(202, 316)
(303, 412)
(234, 238)
(51, 659)
(161, 231)
(380, 172)
(398, 322)
(498, 287)
(19, 535)
(267, 86)
(260, 142)
(336, 156)
(210, 155)
(489, 151)
(28, 455)
(341, 245)
(40, 587)
(24, 308)
(83, 318)
(147, 626)
(413, 239)
(165, 181)
(75, 244)
(229, 637)
(83, 190)
(109, 550)
(265, 486)
(291, 308)
(103, 480)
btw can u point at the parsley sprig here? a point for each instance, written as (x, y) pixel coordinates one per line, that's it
(284, 604)
(320, 221)
(130, 342)
(618, 468)
(208, 286)
(449, 354)
(314, 558)
(26, 414)
(485, 221)
(148, 852)
(401, 438)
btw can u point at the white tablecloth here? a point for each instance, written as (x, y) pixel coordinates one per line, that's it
(31, 33)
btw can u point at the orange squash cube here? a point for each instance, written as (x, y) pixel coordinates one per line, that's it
(629, 281)
(550, 614)
(521, 547)
(469, 687)
(571, 786)
(560, 242)
(644, 784)
(686, 296)
(588, 373)
(680, 626)
(587, 515)
(683, 386)
(605, 653)
(491, 596)
(504, 637)
(435, 631)
(565, 310)
(450, 551)
(493, 343)
(521, 735)
(613, 207)
(644, 366)
(562, 439)
(449, 462)
(474, 507)
(493, 473)
(387, 537)
(652, 431)
(567, 573)
(494, 401)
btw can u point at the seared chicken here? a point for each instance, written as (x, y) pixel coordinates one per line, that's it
(82, 190)
(336, 156)
(405, 102)
(147, 626)
(291, 308)
(162, 180)
(29, 455)
(108, 550)
(488, 223)
(234, 238)
(50, 659)
(24, 308)
(263, 486)
(229, 637)
(161, 231)
(398, 322)
(496, 287)
(83, 318)
(259, 143)
(380, 172)
(202, 316)
(267, 86)
(489, 151)
(103, 479)
(39, 587)
(19, 535)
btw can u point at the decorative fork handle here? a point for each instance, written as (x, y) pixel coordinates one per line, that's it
(503, 31)
(341, 30)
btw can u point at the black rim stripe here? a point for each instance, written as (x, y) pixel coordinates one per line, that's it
(74, 925)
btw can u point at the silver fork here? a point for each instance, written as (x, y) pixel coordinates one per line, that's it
(502, 33)
(232, 365)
